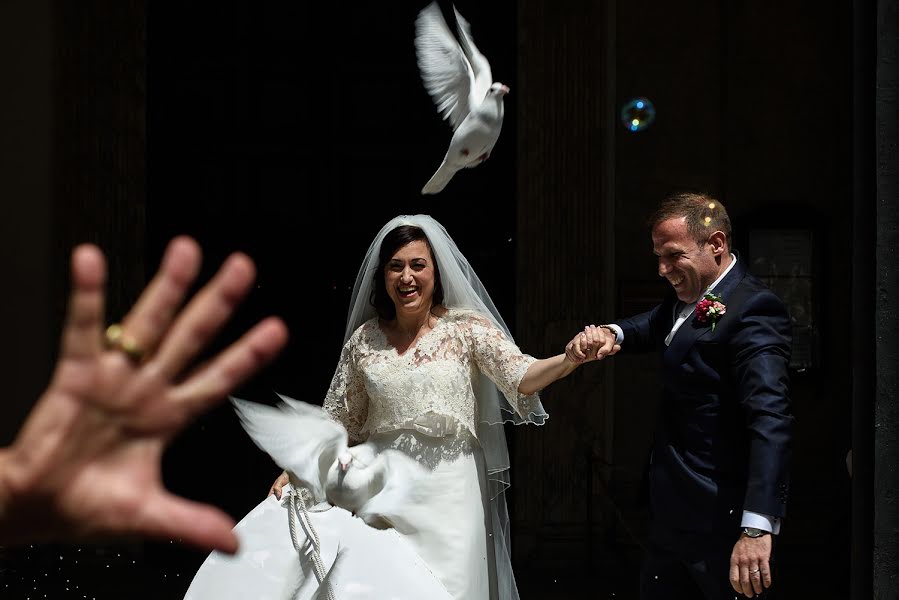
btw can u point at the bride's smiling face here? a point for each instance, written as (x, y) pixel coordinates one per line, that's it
(409, 277)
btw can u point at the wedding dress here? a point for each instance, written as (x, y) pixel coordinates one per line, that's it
(436, 535)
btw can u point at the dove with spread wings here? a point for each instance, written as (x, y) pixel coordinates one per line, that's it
(381, 486)
(458, 78)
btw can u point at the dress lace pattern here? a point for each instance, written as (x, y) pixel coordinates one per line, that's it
(429, 387)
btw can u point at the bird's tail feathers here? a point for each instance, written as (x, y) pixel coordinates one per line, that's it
(439, 180)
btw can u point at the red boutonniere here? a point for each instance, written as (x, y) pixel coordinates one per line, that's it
(710, 309)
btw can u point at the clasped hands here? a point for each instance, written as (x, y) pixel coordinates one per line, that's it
(593, 343)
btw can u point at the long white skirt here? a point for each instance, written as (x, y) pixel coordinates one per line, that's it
(443, 554)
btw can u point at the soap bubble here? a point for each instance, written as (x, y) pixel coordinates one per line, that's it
(638, 114)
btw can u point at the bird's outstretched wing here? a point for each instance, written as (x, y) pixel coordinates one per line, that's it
(480, 67)
(299, 437)
(445, 70)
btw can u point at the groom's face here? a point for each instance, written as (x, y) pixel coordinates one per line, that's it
(688, 266)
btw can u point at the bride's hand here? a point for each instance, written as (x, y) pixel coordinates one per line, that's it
(578, 350)
(280, 482)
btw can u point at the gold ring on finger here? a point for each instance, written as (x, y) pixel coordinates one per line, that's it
(117, 339)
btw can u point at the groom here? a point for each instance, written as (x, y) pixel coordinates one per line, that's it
(719, 467)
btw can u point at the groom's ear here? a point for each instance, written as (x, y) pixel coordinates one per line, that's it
(718, 241)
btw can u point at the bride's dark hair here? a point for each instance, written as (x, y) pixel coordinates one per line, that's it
(393, 241)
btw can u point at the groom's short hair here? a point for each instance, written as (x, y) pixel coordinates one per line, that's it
(703, 214)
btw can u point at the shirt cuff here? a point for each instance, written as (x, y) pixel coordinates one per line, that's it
(619, 332)
(760, 521)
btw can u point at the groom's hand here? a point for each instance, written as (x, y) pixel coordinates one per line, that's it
(594, 343)
(750, 569)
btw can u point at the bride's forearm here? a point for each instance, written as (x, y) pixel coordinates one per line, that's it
(545, 371)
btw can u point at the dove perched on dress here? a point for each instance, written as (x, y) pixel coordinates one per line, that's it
(379, 486)
(458, 78)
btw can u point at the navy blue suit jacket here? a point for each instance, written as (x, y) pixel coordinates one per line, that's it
(723, 441)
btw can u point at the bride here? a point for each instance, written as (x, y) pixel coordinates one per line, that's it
(396, 488)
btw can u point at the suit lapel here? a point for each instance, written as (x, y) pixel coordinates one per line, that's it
(692, 330)
(666, 317)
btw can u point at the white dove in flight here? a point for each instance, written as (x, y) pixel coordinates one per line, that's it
(380, 486)
(458, 78)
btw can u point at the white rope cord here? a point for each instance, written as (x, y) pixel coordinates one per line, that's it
(298, 511)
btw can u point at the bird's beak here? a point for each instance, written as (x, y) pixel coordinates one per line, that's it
(344, 460)
(505, 89)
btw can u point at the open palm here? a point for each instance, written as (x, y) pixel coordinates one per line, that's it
(87, 461)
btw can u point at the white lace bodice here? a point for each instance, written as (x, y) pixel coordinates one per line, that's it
(429, 387)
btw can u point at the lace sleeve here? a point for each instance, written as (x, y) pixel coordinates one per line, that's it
(347, 400)
(500, 359)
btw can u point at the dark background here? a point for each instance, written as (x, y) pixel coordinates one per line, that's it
(293, 132)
